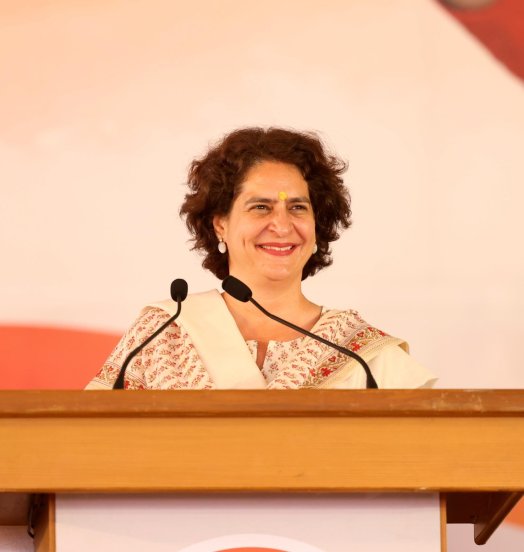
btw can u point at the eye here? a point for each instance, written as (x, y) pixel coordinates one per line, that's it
(259, 207)
(300, 207)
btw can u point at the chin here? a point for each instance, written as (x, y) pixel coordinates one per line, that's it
(280, 275)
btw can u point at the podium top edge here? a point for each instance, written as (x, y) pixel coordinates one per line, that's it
(264, 403)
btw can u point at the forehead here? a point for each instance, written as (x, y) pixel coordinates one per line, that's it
(271, 177)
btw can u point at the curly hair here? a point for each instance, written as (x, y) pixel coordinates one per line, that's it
(216, 179)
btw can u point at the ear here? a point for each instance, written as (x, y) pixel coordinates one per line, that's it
(220, 225)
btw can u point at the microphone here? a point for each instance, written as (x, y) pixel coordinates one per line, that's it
(178, 294)
(237, 289)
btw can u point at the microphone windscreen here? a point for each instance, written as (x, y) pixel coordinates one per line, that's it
(236, 289)
(178, 289)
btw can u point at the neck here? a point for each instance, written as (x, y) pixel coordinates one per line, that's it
(277, 295)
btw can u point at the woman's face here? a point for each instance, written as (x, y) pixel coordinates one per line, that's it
(270, 230)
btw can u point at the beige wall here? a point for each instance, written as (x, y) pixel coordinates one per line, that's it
(104, 104)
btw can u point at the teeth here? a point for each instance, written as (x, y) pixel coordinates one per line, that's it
(273, 248)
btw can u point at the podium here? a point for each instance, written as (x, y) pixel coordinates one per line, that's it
(468, 446)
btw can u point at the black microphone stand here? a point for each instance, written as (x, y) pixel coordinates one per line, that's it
(370, 380)
(241, 292)
(178, 293)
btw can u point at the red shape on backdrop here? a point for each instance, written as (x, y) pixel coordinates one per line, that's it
(51, 358)
(516, 516)
(500, 27)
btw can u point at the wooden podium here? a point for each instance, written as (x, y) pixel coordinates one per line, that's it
(466, 445)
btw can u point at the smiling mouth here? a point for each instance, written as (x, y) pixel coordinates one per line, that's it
(277, 249)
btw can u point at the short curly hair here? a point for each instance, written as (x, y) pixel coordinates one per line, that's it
(216, 179)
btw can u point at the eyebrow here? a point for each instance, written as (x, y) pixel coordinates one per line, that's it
(301, 199)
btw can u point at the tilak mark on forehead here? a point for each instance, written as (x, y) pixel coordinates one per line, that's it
(282, 196)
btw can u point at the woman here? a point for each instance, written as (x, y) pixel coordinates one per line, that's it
(263, 206)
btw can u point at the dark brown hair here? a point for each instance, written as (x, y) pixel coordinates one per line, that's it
(216, 179)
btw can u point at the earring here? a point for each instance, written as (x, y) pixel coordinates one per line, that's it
(315, 248)
(222, 247)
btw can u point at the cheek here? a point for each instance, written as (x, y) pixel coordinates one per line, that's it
(307, 228)
(253, 227)
(245, 231)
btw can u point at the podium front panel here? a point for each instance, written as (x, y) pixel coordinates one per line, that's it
(212, 523)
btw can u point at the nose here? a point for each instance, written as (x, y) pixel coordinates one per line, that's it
(281, 220)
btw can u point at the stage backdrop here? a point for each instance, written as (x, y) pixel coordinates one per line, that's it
(104, 104)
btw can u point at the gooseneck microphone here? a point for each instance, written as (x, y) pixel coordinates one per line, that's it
(178, 294)
(237, 289)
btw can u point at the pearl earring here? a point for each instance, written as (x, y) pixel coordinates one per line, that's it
(315, 248)
(222, 247)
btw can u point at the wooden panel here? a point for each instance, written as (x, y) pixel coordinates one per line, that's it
(262, 454)
(45, 530)
(14, 508)
(443, 524)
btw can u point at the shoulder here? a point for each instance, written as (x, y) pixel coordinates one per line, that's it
(349, 326)
(193, 300)
(348, 316)
(148, 321)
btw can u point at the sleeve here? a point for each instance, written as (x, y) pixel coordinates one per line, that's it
(392, 368)
(148, 321)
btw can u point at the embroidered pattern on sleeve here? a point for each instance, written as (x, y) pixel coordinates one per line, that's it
(170, 361)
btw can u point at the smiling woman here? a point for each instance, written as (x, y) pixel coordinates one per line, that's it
(263, 205)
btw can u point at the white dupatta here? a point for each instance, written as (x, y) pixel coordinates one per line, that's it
(223, 351)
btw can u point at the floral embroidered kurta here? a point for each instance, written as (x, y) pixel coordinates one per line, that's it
(171, 360)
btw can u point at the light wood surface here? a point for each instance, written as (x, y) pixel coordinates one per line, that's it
(262, 454)
(464, 443)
